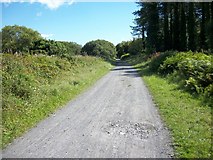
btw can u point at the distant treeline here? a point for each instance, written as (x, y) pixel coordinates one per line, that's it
(174, 26)
(22, 40)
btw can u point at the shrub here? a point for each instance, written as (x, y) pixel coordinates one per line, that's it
(125, 56)
(157, 60)
(100, 48)
(171, 63)
(196, 68)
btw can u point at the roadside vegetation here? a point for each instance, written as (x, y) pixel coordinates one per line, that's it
(39, 76)
(100, 48)
(174, 57)
(181, 86)
(35, 86)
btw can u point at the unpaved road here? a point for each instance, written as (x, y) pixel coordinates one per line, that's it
(116, 118)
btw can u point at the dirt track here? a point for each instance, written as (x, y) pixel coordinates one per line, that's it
(116, 118)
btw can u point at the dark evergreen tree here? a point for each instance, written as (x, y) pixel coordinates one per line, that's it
(176, 30)
(152, 26)
(183, 38)
(191, 27)
(203, 27)
(174, 26)
(166, 27)
(210, 26)
(171, 25)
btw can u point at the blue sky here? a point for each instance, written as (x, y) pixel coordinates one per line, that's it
(73, 21)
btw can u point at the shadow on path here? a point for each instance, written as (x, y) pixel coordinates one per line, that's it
(125, 69)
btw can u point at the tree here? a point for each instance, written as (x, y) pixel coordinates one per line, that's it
(152, 26)
(166, 27)
(191, 28)
(203, 28)
(72, 48)
(176, 29)
(210, 27)
(183, 38)
(135, 46)
(141, 22)
(99, 48)
(174, 26)
(122, 48)
(18, 38)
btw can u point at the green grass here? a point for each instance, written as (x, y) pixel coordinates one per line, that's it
(187, 116)
(36, 86)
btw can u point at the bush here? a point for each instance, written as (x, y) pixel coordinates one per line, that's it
(99, 48)
(122, 48)
(171, 63)
(158, 59)
(136, 46)
(196, 68)
(125, 56)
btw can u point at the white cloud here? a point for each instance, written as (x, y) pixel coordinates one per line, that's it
(38, 14)
(47, 35)
(52, 4)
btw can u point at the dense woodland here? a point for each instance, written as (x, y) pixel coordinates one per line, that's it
(171, 26)
(175, 26)
(178, 38)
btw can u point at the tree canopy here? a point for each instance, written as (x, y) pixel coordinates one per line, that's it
(20, 39)
(175, 26)
(100, 48)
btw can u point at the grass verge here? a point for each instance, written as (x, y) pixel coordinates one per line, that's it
(36, 86)
(188, 118)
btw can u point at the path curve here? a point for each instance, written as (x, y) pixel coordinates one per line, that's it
(115, 118)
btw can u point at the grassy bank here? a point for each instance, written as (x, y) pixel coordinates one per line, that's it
(187, 115)
(35, 86)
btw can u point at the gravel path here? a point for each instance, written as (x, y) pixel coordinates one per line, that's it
(116, 118)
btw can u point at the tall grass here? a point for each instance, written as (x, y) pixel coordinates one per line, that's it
(35, 86)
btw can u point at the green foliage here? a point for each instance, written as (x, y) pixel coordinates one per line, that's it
(122, 48)
(196, 68)
(136, 46)
(174, 26)
(187, 116)
(125, 56)
(35, 86)
(22, 40)
(100, 48)
(18, 39)
(158, 58)
(72, 48)
(58, 48)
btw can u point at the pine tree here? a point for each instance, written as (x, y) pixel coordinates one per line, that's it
(191, 28)
(176, 30)
(166, 27)
(152, 27)
(203, 27)
(183, 38)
